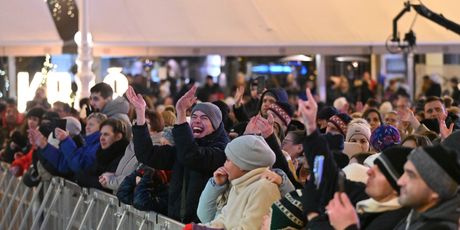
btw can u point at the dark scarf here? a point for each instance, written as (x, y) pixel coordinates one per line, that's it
(105, 156)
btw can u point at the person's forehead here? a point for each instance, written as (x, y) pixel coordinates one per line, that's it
(95, 94)
(433, 104)
(269, 97)
(199, 113)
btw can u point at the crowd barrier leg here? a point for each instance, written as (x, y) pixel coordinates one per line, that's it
(122, 219)
(75, 212)
(24, 197)
(142, 223)
(53, 202)
(104, 215)
(10, 204)
(29, 209)
(7, 190)
(85, 217)
(42, 206)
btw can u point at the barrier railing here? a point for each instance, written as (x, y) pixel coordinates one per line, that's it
(62, 204)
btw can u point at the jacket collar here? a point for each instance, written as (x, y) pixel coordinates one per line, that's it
(248, 178)
(218, 137)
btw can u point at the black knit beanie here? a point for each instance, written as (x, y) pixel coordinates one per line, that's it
(391, 163)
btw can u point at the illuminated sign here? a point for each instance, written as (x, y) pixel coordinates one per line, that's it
(59, 86)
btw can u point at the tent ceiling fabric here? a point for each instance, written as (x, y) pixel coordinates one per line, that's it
(27, 29)
(245, 27)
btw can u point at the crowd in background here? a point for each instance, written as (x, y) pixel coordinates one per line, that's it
(262, 158)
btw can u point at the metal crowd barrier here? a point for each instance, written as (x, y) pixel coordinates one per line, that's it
(61, 204)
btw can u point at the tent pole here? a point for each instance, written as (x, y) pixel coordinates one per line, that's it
(321, 78)
(411, 73)
(85, 52)
(12, 93)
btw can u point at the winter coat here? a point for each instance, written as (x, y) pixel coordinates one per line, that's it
(191, 160)
(444, 215)
(80, 158)
(151, 194)
(250, 199)
(317, 144)
(210, 204)
(106, 161)
(126, 166)
(24, 162)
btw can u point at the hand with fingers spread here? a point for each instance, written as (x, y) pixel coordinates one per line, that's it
(444, 131)
(265, 125)
(220, 176)
(184, 103)
(341, 212)
(251, 127)
(139, 105)
(308, 110)
(406, 115)
(239, 96)
(272, 177)
(61, 134)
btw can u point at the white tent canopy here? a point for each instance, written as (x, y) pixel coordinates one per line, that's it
(264, 27)
(27, 29)
(228, 27)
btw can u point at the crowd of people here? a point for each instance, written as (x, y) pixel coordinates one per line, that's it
(257, 161)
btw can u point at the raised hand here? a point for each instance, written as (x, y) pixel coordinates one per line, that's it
(308, 110)
(341, 212)
(265, 125)
(239, 96)
(61, 134)
(138, 103)
(220, 176)
(186, 101)
(444, 131)
(251, 127)
(37, 138)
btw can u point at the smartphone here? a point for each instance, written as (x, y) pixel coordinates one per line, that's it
(341, 181)
(318, 170)
(59, 123)
(260, 84)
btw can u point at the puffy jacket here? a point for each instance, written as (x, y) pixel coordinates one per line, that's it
(80, 158)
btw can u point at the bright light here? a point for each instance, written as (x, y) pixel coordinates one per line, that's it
(59, 87)
(26, 92)
(77, 39)
(117, 81)
(355, 64)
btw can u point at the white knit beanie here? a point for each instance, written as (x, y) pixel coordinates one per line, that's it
(250, 152)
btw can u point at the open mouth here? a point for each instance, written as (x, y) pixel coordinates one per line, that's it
(197, 130)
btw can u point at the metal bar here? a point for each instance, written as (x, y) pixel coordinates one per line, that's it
(10, 204)
(6, 192)
(53, 202)
(142, 224)
(104, 214)
(42, 206)
(90, 206)
(74, 213)
(121, 220)
(29, 209)
(18, 209)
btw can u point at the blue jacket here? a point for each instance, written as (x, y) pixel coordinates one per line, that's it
(80, 159)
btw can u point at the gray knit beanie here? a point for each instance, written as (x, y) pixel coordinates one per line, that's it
(250, 152)
(439, 168)
(212, 111)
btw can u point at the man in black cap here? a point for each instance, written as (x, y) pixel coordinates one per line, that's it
(429, 186)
